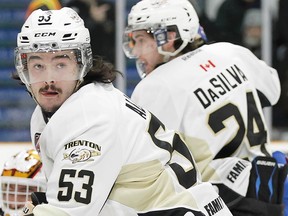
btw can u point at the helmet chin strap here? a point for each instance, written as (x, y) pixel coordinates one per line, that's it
(166, 58)
(77, 85)
(167, 55)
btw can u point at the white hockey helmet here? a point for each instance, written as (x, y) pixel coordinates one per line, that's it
(156, 16)
(52, 31)
(20, 177)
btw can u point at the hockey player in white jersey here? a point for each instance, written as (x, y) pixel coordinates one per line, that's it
(213, 92)
(99, 149)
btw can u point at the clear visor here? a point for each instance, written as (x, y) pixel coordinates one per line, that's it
(134, 45)
(141, 69)
(47, 62)
(16, 191)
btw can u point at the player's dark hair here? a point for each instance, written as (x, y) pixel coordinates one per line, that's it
(198, 42)
(101, 71)
(15, 76)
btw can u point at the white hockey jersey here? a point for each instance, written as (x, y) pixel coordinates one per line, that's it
(99, 145)
(215, 93)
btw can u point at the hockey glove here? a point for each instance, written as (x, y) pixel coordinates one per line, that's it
(28, 209)
(267, 180)
(37, 198)
(39, 207)
(282, 160)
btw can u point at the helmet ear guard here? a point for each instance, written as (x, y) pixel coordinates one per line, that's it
(160, 35)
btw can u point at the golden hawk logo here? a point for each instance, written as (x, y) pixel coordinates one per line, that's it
(81, 155)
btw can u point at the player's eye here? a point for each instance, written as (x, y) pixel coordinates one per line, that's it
(131, 43)
(60, 65)
(139, 41)
(38, 66)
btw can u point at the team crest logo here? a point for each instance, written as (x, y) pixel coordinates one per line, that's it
(81, 155)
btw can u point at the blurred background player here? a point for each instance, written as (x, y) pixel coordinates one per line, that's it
(20, 177)
(251, 31)
(212, 91)
(229, 20)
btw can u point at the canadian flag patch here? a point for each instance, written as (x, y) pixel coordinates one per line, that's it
(207, 65)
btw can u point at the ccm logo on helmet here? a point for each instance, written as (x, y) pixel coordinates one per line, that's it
(45, 34)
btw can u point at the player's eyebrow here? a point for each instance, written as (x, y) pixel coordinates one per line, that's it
(55, 57)
(33, 57)
(61, 56)
(138, 35)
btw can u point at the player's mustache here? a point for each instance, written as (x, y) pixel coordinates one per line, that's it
(50, 87)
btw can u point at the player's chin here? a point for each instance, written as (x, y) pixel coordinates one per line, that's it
(148, 70)
(49, 106)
